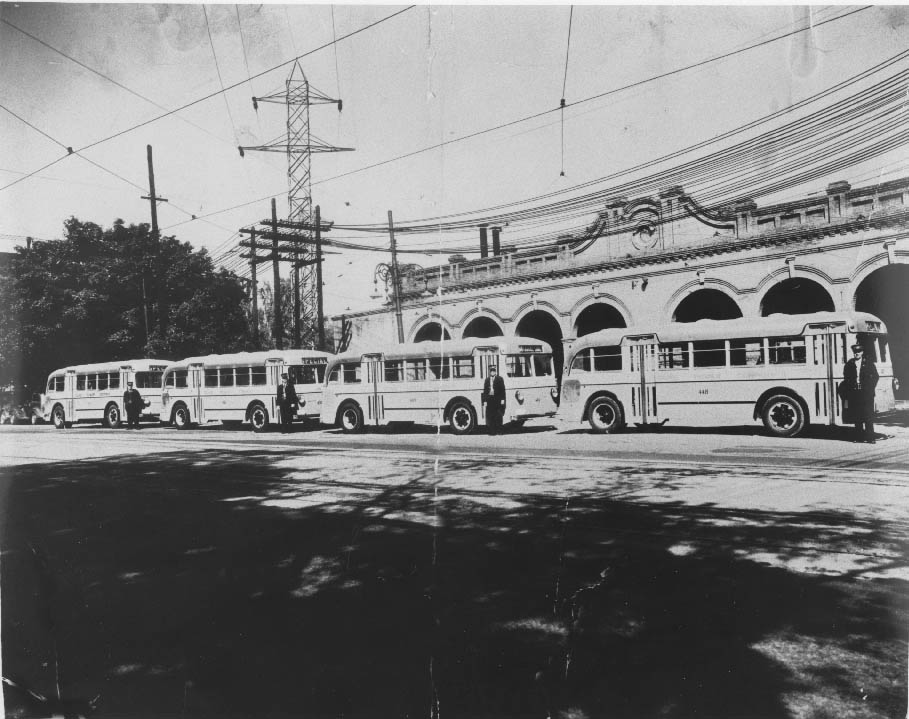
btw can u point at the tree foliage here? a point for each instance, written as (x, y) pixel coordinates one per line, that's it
(114, 294)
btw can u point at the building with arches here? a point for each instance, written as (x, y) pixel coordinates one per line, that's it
(648, 261)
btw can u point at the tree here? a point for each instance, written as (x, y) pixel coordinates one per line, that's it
(101, 295)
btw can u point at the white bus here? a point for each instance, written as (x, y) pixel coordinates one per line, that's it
(94, 392)
(240, 387)
(433, 382)
(783, 370)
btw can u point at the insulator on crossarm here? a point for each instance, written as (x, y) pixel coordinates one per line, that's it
(340, 105)
(242, 154)
(562, 104)
(255, 104)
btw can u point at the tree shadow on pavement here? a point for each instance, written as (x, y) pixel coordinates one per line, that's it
(279, 584)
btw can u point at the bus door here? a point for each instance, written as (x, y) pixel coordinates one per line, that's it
(641, 406)
(69, 391)
(196, 381)
(375, 400)
(274, 366)
(487, 357)
(828, 353)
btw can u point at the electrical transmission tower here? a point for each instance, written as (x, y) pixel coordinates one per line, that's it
(299, 145)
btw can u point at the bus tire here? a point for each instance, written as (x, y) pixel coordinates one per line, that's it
(783, 415)
(112, 417)
(258, 417)
(350, 418)
(605, 415)
(181, 418)
(461, 417)
(58, 417)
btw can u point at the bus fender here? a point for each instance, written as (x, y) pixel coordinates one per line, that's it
(758, 406)
(591, 398)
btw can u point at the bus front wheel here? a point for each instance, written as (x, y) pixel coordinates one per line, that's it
(112, 416)
(351, 418)
(258, 418)
(783, 416)
(462, 418)
(181, 417)
(59, 417)
(605, 415)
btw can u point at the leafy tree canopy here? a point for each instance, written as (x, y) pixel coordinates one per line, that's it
(113, 294)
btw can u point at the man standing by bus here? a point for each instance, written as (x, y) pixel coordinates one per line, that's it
(287, 402)
(859, 381)
(132, 404)
(494, 400)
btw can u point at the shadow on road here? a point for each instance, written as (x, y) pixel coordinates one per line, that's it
(237, 584)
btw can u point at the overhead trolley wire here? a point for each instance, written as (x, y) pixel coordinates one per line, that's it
(211, 95)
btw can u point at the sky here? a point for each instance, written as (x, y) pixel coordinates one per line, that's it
(110, 79)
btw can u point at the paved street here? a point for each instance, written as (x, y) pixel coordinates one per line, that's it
(548, 572)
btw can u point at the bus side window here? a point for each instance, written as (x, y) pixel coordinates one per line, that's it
(211, 378)
(91, 382)
(351, 372)
(517, 365)
(259, 376)
(182, 377)
(242, 374)
(416, 370)
(709, 353)
(394, 370)
(102, 380)
(787, 350)
(226, 377)
(438, 368)
(607, 359)
(462, 367)
(80, 382)
(114, 380)
(335, 375)
(168, 379)
(674, 355)
(746, 353)
(542, 365)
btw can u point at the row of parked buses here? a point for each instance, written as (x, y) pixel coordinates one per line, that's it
(782, 370)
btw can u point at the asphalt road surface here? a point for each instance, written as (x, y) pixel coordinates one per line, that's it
(547, 572)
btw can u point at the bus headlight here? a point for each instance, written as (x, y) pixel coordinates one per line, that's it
(519, 397)
(896, 384)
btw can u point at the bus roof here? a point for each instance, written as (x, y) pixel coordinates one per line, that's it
(249, 358)
(777, 325)
(450, 348)
(138, 365)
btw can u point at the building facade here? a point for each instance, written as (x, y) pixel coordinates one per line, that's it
(652, 260)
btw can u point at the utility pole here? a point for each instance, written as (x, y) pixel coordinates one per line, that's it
(156, 239)
(276, 258)
(255, 289)
(320, 316)
(395, 279)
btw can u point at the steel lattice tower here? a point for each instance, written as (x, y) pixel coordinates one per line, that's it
(299, 145)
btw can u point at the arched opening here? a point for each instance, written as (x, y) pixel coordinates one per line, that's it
(598, 316)
(431, 332)
(706, 304)
(482, 327)
(794, 296)
(885, 293)
(541, 325)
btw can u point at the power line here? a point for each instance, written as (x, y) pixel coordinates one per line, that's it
(210, 95)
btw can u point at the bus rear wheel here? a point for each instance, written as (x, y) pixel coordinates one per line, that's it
(112, 416)
(258, 418)
(783, 416)
(181, 417)
(462, 418)
(605, 415)
(58, 416)
(351, 418)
